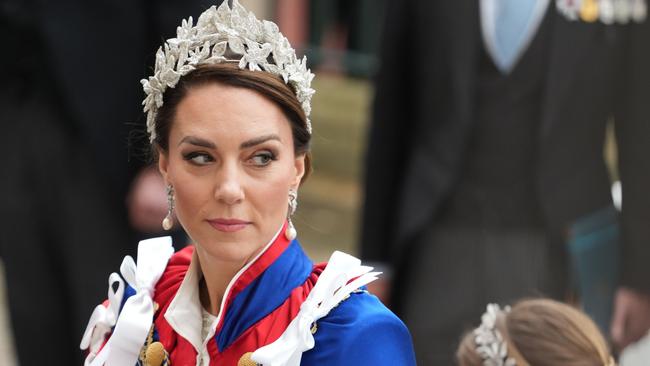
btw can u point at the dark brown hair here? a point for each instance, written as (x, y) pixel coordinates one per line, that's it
(544, 332)
(228, 73)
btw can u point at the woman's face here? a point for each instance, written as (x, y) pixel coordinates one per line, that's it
(231, 162)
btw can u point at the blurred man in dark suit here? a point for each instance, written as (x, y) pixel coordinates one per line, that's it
(486, 149)
(68, 97)
(631, 318)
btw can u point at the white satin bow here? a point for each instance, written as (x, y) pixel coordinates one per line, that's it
(136, 317)
(331, 288)
(103, 318)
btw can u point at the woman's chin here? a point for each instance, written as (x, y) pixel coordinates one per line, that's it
(229, 247)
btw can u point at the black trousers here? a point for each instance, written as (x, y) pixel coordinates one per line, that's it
(60, 236)
(453, 272)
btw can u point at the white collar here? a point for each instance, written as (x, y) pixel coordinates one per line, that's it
(184, 312)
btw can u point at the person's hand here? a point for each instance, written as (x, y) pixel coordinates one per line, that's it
(147, 201)
(631, 319)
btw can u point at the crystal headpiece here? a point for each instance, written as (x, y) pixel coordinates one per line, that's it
(490, 345)
(226, 34)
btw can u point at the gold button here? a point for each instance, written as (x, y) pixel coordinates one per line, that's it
(246, 360)
(155, 354)
(589, 11)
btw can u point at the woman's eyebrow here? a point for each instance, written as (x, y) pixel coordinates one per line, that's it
(259, 140)
(197, 141)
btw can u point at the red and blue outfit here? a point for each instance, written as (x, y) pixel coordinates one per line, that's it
(259, 304)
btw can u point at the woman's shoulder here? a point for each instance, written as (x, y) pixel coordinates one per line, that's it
(361, 330)
(171, 278)
(361, 308)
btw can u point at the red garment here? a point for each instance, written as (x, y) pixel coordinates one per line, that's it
(264, 332)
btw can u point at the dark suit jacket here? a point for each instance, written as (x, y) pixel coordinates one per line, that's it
(423, 115)
(97, 53)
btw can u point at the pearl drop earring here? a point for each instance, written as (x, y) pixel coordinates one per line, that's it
(168, 221)
(290, 233)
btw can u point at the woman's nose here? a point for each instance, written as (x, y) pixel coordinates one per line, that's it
(228, 189)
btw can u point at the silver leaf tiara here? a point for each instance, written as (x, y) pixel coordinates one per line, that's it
(490, 345)
(221, 33)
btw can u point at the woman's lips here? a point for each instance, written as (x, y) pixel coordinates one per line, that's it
(228, 225)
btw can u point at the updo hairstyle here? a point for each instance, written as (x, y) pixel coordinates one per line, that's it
(542, 332)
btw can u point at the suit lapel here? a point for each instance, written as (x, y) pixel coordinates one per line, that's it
(465, 46)
(448, 32)
(568, 51)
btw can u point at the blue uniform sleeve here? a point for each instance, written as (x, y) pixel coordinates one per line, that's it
(360, 331)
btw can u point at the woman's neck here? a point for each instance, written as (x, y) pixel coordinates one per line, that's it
(216, 278)
(217, 275)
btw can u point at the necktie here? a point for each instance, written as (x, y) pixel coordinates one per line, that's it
(513, 24)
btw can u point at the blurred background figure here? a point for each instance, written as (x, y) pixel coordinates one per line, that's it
(485, 162)
(631, 317)
(67, 101)
(343, 35)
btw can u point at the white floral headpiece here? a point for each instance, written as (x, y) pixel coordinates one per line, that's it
(490, 345)
(219, 32)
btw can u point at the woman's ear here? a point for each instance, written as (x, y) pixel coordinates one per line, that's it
(163, 164)
(299, 165)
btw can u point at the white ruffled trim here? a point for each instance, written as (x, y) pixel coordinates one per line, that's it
(343, 275)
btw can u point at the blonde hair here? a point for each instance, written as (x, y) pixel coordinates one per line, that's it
(542, 332)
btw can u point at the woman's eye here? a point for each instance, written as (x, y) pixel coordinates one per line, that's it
(198, 158)
(262, 159)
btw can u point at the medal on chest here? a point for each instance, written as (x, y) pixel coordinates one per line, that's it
(605, 11)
